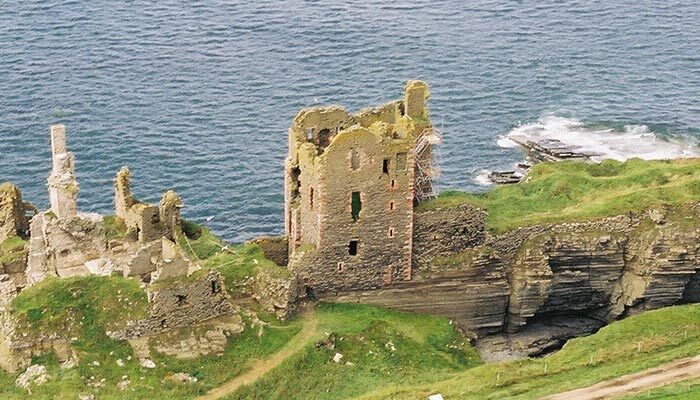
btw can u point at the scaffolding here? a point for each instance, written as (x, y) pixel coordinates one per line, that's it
(427, 158)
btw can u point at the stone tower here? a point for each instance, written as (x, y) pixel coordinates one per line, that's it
(63, 187)
(349, 193)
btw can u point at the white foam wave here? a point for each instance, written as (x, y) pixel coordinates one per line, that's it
(506, 142)
(633, 141)
(482, 177)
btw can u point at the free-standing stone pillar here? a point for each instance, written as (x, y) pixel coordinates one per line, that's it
(63, 187)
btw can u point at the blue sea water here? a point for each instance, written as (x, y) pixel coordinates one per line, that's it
(198, 96)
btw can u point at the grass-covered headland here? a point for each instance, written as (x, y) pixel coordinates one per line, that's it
(385, 354)
(574, 191)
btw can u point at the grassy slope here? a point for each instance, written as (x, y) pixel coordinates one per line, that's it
(426, 348)
(570, 191)
(87, 307)
(236, 263)
(627, 346)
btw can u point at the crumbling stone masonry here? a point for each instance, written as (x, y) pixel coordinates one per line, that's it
(349, 192)
(179, 305)
(13, 212)
(145, 222)
(63, 187)
(64, 242)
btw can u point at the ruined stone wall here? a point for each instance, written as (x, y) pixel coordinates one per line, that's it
(63, 186)
(13, 212)
(18, 344)
(278, 293)
(275, 248)
(145, 222)
(442, 232)
(65, 246)
(180, 304)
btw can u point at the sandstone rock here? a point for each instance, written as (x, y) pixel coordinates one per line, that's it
(173, 262)
(148, 363)
(277, 292)
(13, 212)
(62, 246)
(8, 291)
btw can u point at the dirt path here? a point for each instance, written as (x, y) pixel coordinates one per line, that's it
(679, 370)
(261, 367)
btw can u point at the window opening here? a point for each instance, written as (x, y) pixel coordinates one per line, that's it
(355, 205)
(385, 166)
(324, 138)
(391, 232)
(352, 248)
(391, 205)
(341, 265)
(311, 199)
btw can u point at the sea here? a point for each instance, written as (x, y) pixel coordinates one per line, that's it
(197, 96)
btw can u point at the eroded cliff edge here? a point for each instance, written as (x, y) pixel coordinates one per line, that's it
(530, 289)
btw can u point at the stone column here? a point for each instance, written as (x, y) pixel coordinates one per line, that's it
(63, 187)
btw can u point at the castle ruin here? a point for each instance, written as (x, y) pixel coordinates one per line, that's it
(351, 182)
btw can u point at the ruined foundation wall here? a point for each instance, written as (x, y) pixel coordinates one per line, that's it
(447, 231)
(179, 305)
(275, 248)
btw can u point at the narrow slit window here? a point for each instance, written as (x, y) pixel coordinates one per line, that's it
(354, 160)
(352, 247)
(393, 183)
(355, 205)
(386, 165)
(311, 199)
(341, 265)
(401, 162)
(391, 205)
(391, 232)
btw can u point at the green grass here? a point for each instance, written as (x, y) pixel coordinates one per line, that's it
(380, 346)
(12, 249)
(624, 347)
(115, 227)
(573, 191)
(236, 263)
(81, 305)
(85, 308)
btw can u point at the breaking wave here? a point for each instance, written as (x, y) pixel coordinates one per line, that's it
(606, 143)
(482, 177)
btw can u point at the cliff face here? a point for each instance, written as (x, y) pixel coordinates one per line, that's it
(538, 286)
